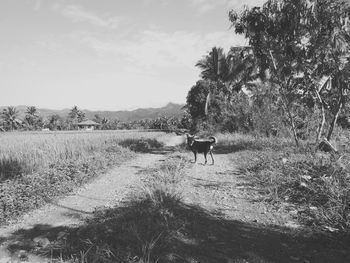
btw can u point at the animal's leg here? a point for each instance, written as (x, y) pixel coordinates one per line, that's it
(195, 157)
(205, 157)
(212, 158)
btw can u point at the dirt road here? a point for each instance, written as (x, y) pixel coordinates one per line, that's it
(105, 191)
(240, 225)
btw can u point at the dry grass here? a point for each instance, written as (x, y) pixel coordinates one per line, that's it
(35, 167)
(26, 152)
(316, 185)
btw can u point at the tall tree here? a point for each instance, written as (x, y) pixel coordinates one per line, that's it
(214, 68)
(9, 116)
(74, 116)
(329, 51)
(197, 98)
(32, 117)
(291, 41)
(227, 73)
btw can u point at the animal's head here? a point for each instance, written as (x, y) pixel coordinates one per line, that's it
(190, 139)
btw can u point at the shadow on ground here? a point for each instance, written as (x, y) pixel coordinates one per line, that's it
(153, 146)
(161, 228)
(252, 145)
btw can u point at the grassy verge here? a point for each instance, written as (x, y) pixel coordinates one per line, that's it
(36, 167)
(315, 185)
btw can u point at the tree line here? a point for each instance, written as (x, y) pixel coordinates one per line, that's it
(9, 121)
(291, 79)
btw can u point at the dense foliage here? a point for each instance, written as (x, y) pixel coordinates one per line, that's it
(294, 73)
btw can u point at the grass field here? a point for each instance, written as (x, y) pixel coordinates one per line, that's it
(36, 166)
(27, 152)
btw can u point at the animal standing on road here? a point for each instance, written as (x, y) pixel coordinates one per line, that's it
(201, 146)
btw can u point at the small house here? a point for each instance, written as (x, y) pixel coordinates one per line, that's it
(88, 125)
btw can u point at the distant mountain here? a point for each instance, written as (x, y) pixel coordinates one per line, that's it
(169, 110)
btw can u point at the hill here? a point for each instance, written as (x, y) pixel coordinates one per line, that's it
(169, 110)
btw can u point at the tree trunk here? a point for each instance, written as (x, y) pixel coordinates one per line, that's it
(335, 118)
(338, 109)
(321, 126)
(293, 129)
(287, 109)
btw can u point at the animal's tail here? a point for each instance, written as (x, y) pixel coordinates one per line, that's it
(213, 139)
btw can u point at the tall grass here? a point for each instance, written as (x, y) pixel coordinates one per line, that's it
(26, 152)
(35, 167)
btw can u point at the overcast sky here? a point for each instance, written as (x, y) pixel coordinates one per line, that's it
(107, 54)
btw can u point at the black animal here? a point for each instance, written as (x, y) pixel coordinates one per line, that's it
(201, 146)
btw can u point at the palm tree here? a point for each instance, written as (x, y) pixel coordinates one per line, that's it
(32, 117)
(214, 67)
(228, 72)
(32, 111)
(73, 114)
(10, 115)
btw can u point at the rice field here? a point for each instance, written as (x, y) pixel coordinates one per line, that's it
(27, 152)
(36, 167)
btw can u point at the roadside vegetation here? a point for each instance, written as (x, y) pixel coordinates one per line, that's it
(36, 167)
(314, 186)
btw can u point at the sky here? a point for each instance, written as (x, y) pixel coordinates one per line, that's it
(108, 54)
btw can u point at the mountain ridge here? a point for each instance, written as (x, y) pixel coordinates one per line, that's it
(169, 110)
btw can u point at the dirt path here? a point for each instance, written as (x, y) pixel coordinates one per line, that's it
(106, 191)
(242, 224)
(222, 188)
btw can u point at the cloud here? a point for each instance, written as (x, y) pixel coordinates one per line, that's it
(37, 4)
(238, 4)
(79, 14)
(154, 49)
(204, 6)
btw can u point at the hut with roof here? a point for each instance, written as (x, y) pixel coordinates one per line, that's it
(88, 125)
